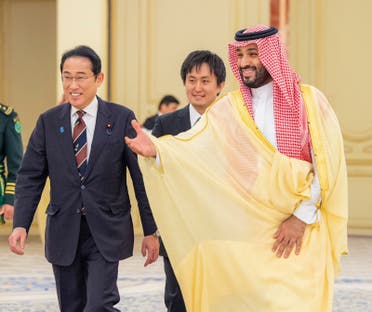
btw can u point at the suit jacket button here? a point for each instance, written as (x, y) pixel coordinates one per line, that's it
(83, 211)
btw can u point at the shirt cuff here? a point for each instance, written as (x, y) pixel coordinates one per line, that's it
(307, 211)
(157, 160)
(8, 199)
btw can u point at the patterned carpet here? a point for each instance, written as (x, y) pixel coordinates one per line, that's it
(37, 293)
(27, 283)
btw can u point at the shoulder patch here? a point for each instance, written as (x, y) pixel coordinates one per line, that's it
(5, 109)
(17, 124)
(18, 127)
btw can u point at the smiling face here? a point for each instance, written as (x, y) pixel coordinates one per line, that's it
(79, 82)
(253, 74)
(201, 87)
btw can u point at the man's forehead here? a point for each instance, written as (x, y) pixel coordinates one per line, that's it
(202, 69)
(251, 46)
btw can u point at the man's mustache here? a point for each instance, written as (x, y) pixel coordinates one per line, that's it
(247, 67)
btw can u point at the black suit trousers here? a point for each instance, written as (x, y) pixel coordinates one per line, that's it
(89, 283)
(172, 295)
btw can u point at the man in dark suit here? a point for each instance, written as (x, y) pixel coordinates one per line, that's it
(168, 104)
(203, 74)
(80, 146)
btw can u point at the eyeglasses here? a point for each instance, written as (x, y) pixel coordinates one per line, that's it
(66, 79)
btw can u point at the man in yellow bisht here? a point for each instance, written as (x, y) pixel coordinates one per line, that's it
(265, 171)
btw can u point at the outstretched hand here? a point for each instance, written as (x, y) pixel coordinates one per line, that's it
(141, 144)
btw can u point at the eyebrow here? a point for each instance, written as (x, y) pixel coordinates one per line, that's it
(78, 73)
(202, 77)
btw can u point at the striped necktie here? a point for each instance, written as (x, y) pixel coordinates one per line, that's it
(196, 121)
(79, 138)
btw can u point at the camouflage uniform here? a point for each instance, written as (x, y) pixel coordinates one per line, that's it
(10, 148)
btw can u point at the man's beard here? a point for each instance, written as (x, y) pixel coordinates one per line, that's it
(262, 77)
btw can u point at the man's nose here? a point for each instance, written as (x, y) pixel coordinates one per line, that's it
(74, 84)
(198, 85)
(245, 61)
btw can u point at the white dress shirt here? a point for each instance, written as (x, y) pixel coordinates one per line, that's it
(194, 115)
(90, 118)
(263, 109)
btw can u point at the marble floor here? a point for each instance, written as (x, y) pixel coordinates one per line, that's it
(27, 284)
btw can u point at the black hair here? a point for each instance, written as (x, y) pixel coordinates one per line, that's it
(83, 51)
(195, 60)
(167, 99)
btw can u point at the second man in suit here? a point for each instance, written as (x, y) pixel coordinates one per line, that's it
(203, 74)
(80, 146)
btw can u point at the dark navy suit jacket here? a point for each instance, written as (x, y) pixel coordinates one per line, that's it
(103, 191)
(150, 122)
(172, 123)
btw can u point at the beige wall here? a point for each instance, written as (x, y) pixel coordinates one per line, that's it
(330, 48)
(152, 38)
(28, 58)
(27, 61)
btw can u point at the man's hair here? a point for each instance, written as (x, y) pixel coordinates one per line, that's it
(83, 51)
(167, 99)
(197, 58)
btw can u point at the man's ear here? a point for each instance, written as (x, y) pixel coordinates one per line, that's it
(220, 87)
(100, 78)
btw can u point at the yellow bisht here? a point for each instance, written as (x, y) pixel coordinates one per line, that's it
(221, 193)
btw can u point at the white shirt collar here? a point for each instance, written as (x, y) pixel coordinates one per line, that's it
(90, 110)
(263, 109)
(194, 115)
(264, 91)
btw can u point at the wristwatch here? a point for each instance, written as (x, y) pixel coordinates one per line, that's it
(156, 233)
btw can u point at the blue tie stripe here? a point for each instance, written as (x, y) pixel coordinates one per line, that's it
(80, 144)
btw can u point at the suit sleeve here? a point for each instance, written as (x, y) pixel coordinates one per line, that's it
(147, 219)
(147, 124)
(31, 178)
(157, 131)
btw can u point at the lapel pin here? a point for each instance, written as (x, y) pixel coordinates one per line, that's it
(108, 128)
(61, 129)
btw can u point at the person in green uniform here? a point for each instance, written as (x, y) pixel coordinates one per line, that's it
(11, 151)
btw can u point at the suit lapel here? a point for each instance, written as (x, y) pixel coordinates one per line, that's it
(184, 119)
(65, 137)
(101, 134)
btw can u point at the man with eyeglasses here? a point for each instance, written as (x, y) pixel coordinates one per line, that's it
(80, 146)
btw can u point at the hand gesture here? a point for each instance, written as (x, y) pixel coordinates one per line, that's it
(141, 144)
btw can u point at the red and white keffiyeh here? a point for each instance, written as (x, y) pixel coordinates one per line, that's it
(292, 133)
